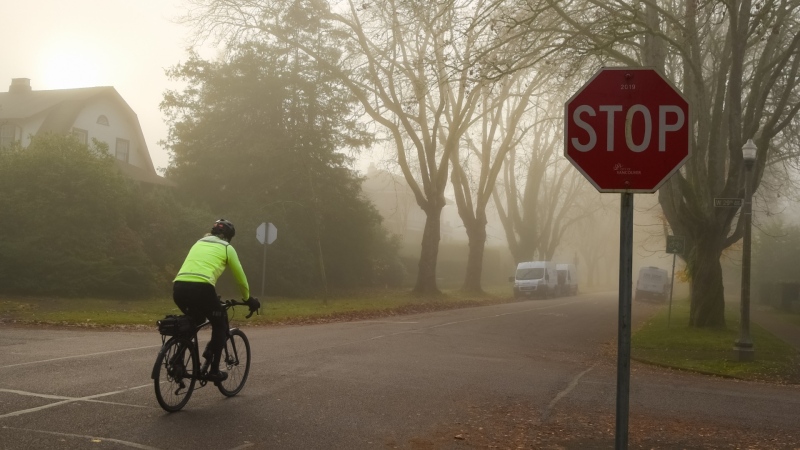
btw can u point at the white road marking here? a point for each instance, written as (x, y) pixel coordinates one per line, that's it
(91, 438)
(245, 445)
(33, 394)
(79, 356)
(65, 400)
(565, 392)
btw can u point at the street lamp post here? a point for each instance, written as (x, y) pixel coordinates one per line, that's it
(743, 347)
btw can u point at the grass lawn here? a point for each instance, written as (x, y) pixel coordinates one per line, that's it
(84, 311)
(89, 312)
(710, 351)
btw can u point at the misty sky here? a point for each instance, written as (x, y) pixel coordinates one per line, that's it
(80, 43)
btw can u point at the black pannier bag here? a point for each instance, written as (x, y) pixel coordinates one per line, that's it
(173, 325)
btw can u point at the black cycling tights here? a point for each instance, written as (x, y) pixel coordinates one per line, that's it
(200, 301)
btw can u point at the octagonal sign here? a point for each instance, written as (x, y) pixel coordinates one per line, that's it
(627, 130)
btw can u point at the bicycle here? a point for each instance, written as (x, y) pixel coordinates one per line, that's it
(177, 368)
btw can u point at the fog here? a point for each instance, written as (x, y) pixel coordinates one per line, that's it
(134, 64)
(592, 243)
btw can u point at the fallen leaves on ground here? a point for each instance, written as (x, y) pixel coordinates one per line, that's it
(520, 426)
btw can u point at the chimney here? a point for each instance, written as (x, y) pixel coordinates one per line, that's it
(20, 85)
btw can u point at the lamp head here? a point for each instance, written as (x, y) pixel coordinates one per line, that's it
(749, 150)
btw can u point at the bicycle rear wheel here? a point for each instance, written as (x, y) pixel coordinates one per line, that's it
(236, 359)
(174, 374)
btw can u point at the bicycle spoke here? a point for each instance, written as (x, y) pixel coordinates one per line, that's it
(175, 368)
(237, 363)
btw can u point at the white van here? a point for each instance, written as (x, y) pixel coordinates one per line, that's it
(535, 279)
(653, 283)
(567, 279)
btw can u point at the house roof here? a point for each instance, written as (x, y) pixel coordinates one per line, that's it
(62, 107)
(21, 105)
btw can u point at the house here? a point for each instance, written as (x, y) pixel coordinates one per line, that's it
(87, 113)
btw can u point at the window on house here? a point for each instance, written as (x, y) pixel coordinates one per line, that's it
(8, 134)
(102, 120)
(122, 149)
(81, 134)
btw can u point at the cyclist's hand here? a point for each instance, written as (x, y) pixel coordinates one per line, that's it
(254, 305)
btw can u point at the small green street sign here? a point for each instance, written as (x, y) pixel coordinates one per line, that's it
(675, 244)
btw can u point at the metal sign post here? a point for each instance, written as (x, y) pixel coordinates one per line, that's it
(264, 270)
(675, 245)
(266, 233)
(624, 331)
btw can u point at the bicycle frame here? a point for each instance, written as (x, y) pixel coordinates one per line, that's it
(197, 373)
(176, 373)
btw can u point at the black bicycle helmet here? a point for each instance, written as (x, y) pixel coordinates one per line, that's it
(223, 228)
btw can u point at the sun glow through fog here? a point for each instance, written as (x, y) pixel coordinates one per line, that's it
(70, 63)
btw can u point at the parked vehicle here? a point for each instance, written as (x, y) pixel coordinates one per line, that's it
(652, 284)
(567, 279)
(535, 279)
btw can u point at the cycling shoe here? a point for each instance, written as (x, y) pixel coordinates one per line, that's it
(216, 377)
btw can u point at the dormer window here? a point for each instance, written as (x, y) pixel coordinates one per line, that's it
(102, 120)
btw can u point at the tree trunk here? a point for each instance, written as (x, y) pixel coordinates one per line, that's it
(707, 292)
(429, 255)
(477, 244)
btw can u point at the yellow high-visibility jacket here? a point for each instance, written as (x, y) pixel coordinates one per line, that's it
(207, 260)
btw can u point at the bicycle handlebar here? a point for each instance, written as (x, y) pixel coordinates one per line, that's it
(232, 302)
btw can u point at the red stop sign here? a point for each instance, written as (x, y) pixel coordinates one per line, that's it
(627, 130)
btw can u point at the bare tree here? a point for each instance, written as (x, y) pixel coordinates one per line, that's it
(737, 63)
(539, 197)
(418, 68)
(487, 144)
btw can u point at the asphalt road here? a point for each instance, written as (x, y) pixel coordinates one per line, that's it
(470, 378)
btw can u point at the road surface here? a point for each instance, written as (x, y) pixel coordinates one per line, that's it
(530, 374)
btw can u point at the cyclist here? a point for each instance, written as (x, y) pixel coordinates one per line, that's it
(194, 293)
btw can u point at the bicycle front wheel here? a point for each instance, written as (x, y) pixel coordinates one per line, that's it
(174, 374)
(236, 358)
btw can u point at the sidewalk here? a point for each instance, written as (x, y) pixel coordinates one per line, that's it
(767, 318)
